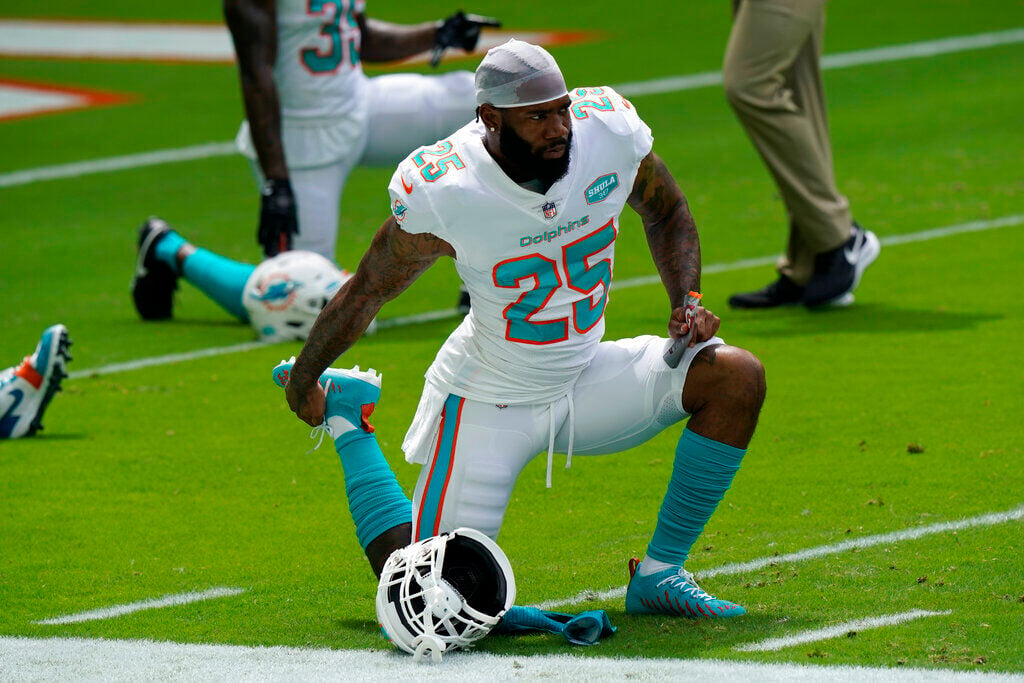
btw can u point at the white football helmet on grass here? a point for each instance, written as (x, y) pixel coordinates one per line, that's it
(444, 593)
(286, 293)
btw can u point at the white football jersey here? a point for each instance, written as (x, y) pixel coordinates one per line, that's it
(319, 72)
(537, 267)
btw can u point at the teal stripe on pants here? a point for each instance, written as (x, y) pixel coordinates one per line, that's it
(440, 469)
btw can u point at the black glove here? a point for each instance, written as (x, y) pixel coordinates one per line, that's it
(459, 30)
(278, 219)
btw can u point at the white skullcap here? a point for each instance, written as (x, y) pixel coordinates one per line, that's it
(517, 74)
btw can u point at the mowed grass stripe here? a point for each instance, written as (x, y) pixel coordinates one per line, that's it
(430, 316)
(842, 60)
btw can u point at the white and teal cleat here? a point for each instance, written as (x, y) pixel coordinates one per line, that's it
(27, 389)
(675, 592)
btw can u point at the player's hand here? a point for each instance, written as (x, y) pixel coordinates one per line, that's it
(460, 30)
(705, 325)
(307, 400)
(278, 217)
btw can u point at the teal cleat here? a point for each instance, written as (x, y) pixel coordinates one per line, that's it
(674, 592)
(351, 394)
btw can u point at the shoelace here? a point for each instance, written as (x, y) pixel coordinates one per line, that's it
(684, 581)
(322, 429)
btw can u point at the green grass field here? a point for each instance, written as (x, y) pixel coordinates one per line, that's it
(182, 477)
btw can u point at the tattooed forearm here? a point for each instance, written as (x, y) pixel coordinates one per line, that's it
(394, 261)
(668, 223)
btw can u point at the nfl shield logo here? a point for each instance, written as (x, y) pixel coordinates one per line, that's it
(549, 210)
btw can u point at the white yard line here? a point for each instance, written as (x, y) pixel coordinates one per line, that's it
(430, 316)
(991, 519)
(772, 644)
(929, 48)
(153, 603)
(77, 659)
(842, 60)
(920, 236)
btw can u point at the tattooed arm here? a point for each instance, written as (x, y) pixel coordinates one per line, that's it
(672, 238)
(393, 262)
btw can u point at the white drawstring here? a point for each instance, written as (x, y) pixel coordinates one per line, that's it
(572, 431)
(551, 436)
(551, 441)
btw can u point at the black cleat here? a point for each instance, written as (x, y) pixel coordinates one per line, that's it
(837, 272)
(154, 282)
(782, 292)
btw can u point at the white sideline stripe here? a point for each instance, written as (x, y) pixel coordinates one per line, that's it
(76, 659)
(152, 603)
(830, 632)
(430, 316)
(990, 519)
(842, 60)
(669, 84)
(81, 168)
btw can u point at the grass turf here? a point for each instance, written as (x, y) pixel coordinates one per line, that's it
(183, 477)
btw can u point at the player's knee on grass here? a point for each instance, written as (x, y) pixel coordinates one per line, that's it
(725, 387)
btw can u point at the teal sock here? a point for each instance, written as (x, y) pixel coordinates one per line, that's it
(702, 473)
(375, 499)
(167, 249)
(218, 277)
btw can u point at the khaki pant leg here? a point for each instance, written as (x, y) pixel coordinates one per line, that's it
(773, 81)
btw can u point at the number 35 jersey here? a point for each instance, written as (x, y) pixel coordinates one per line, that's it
(538, 267)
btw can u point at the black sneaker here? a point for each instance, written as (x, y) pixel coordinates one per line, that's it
(463, 305)
(154, 282)
(782, 292)
(837, 272)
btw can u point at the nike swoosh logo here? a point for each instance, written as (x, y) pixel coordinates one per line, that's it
(850, 253)
(406, 187)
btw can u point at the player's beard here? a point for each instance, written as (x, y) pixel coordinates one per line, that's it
(518, 151)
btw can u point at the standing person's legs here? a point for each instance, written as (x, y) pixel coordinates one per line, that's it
(772, 79)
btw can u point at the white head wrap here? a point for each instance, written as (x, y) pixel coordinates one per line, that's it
(518, 74)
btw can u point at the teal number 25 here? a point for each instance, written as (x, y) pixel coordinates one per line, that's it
(580, 275)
